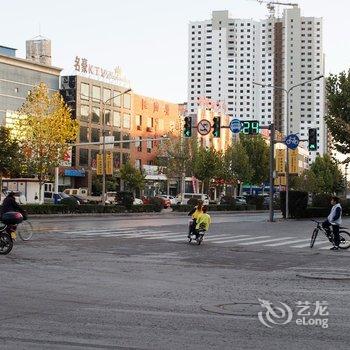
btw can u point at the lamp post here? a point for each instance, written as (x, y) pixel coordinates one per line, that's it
(288, 92)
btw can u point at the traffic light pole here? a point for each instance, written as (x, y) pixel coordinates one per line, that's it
(271, 170)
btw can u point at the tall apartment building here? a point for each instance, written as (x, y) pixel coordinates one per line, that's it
(227, 55)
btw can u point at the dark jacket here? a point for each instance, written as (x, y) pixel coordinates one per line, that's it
(10, 204)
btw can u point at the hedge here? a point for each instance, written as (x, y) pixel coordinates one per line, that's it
(215, 207)
(86, 208)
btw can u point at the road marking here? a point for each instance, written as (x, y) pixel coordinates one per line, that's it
(241, 239)
(131, 229)
(308, 244)
(287, 242)
(266, 241)
(221, 236)
(99, 233)
(145, 233)
(167, 235)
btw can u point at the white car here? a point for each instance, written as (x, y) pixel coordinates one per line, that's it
(137, 201)
(172, 199)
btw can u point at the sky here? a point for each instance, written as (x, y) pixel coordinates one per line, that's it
(148, 39)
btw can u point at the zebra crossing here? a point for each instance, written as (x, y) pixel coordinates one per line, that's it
(150, 234)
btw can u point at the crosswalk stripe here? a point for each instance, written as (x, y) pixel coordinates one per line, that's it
(166, 235)
(131, 229)
(241, 239)
(266, 241)
(146, 233)
(287, 242)
(217, 236)
(98, 233)
(308, 244)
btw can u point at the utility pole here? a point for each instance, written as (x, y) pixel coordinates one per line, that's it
(271, 170)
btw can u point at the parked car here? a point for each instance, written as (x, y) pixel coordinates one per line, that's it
(137, 201)
(148, 200)
(80, 199)
(172, 199)
(165, 201)
(111, 197)
(183, 198)
(241, 199)
(49, 197)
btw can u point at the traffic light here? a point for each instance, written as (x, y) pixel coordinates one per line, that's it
(312, 139)
(216, 126)
(188, 127)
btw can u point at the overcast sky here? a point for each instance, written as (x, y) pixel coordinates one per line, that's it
(148, 38)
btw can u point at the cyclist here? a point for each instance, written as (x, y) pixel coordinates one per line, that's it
(195, 212)
(334, 220)
(10, 204)
(203, 221)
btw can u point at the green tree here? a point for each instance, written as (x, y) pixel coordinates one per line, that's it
(206, 165)
(237, 162)
(10, 156)
(323, 177)
(258, 154)
(133, 178)
(338, 103)
(44, 130)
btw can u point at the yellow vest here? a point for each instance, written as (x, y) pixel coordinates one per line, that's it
(203, 221)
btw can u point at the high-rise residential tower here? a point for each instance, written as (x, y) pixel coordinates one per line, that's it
(227, 55)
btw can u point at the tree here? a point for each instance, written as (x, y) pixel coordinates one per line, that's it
(258, 154)
(338, 103)
(134, 178)
(44, 129)
(10, 157)
(238, 165)
(206, 165)
(323, 177)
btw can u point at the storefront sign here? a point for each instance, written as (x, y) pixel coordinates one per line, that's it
(82, 66)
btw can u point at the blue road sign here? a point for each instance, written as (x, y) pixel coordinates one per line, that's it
(292, 141)
(235, 126)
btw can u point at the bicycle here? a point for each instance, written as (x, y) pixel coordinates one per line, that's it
(344, 235)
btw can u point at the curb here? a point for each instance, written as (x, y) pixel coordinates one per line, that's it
(161, 214)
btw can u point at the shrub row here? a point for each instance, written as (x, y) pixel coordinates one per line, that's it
(216, 207)
(86, 208)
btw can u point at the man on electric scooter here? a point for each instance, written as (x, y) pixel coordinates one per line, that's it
(203, 221)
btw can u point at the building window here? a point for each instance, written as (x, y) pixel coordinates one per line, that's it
(138, 143)
(138, 163)
(127, 101)
(83, 157)
(138, 121)
(107, 96)
(117, 100)
(149, 145)
(84, 113)
(126, 121)
(84, 91)
(95, 115)
(107, 117)
(95, 135)
(126, 137)
(83, 134)
(116, 119)
(149, 122)
(96, 93)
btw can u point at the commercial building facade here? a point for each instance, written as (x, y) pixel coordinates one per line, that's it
(19, 76)
(227, 55)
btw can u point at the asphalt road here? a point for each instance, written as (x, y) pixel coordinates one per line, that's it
(135, 283)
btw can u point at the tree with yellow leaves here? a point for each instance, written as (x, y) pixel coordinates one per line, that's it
(44, 131)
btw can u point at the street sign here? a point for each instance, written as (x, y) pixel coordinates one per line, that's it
(280, 159)
(292, 141)
(235, 126)
(204, 127)
(293, 162)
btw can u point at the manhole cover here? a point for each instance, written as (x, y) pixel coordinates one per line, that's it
(338, 276)
(236, 309)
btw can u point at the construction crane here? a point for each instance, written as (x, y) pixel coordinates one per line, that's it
(271, 5)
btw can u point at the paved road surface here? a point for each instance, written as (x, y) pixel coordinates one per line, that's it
(134, 283)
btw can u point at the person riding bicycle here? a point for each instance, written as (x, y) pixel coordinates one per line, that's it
(10, 204)
(203, 221)
(334, 220)
(195, 212)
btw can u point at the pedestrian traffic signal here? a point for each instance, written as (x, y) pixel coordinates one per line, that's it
(312, 139)
(216, 126)
(188, 127)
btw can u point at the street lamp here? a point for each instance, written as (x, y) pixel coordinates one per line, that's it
(104, 141)
(287, 91)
